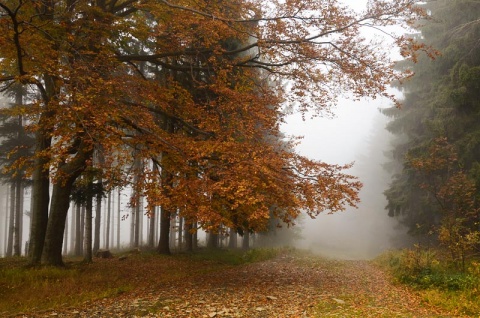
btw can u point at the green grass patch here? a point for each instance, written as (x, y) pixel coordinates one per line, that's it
(438, 281)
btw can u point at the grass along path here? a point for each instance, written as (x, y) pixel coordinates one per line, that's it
(291, 284)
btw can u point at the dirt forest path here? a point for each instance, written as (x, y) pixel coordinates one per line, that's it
(286, 286)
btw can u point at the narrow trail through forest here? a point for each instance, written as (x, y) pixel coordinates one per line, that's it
(286, 286)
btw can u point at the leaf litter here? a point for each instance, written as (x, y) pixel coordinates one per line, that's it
(290, 285)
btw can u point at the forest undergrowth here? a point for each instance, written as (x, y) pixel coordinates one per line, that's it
(256, 283)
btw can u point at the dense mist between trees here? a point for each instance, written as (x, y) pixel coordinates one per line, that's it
(356, 134)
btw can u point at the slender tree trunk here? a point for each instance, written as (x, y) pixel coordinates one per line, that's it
(88, 257)
(78, 231)
(118, 218)
(73, 228)
(109, 212)
(195, 236)
(188, 237)
(164, 241)
(132, 228)
(5, 222)
(151, 228)
(11, 221)
(17, 233)
(180, 233)
(98, 218)
(137, 225)
(173, 232)
(157, 223)
(65, 238)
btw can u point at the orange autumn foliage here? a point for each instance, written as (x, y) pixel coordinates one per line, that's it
(197, 90)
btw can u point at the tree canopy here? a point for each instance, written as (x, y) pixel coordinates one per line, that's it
(196, 90)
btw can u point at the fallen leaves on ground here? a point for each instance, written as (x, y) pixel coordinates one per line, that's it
(290, 285)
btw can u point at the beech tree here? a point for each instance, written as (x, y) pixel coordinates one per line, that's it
(196, 88)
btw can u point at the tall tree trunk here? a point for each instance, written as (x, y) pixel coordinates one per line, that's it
(41, 174)
(212, 240)
(180, 232)
(62, 190)
(11, 221)
(173, 231)
(118, 217)
(65, 238)
(151, 228)
(98, 219)
(164, 241)
(52, 254)
(5, 227)
(232, 242)
(88, 257)
(17, 233)
(137, 223)
(73, 228)
(109, 212)
(188, 237)
(195, 236)
(78, 231)
(132, 228)
(246, 240)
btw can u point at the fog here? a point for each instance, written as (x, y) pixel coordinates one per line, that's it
(356, 134)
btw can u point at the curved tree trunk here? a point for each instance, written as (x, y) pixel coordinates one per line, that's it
(52, 254)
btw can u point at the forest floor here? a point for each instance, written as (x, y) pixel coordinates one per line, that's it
(291, 284)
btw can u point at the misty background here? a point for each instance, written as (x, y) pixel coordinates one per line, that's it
(356, 133)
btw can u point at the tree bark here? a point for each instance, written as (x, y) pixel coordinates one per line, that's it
(109, 212)
(180, 233)
(65, 238)
(164, 241)
(246, 240)
(188, 237)
(88, 257)
(195, 236)
(78, 231)
(98, 219)
(151, 228)
(11, 221)
(52, 254)
(118, 217)
(73, 228)
(17, 233)
(212, 240)
(232, 242)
